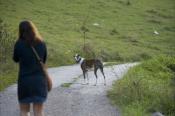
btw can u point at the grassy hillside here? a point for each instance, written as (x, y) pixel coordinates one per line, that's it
(147, 88)
(123, 30)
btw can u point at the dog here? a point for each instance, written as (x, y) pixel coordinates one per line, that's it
(87, 64)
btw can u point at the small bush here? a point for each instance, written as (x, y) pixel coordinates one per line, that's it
(113, 32)
(140, 57)
(108, 56)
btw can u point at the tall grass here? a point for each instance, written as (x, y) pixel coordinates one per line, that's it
(7, 68)
(147, 88)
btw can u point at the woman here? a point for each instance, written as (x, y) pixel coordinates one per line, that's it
(31, 82)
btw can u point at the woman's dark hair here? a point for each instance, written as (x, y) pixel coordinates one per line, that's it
(29, 33)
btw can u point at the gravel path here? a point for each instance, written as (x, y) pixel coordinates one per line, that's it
(76, 100)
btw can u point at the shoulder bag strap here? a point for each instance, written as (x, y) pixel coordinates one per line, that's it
(36, 54)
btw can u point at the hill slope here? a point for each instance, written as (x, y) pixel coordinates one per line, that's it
(124, 33)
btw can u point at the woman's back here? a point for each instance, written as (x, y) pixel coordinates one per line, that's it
(27, 59)
(31, 81)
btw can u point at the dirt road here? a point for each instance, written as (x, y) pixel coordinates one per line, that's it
(78, 99)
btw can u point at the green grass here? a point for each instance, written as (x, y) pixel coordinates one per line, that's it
(67, 85)
(7, 79)
(147, 88)
(112, 63)
(8, 73)
(124, 34)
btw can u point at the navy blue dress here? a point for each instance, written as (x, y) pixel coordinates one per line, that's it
(31, 82)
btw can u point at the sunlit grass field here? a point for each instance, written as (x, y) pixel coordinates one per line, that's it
(124, 31)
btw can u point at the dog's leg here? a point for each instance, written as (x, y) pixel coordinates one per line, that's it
(84, 75)
(87, 78)
(95, 72)
(101, 69)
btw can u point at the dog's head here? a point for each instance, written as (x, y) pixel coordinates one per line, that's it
(77, 58)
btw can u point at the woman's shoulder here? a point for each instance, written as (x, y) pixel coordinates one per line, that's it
(18, 43)
(41, 44)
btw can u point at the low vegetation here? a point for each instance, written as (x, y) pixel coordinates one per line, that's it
(147, 88)
(67, 85)
(7, 67)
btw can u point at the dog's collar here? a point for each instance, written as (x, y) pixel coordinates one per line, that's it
(78, 61)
